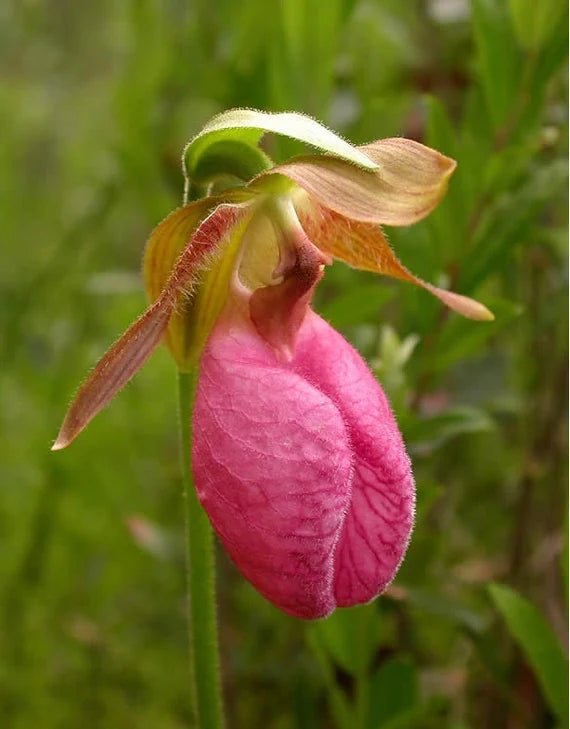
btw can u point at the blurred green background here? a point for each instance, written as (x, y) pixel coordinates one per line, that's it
(96, 102)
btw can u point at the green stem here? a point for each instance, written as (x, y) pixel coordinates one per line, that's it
(339, 706)
(204, 661)
(362, 698)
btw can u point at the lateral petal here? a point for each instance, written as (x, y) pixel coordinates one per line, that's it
(411, 171)
(364, 246)
(135, 346)
(114, 370)
(163, 249)
(410, 181)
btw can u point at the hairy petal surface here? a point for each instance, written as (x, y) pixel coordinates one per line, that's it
(114, 370)
(272, 464)
(409, 182)
(249, 125)
(129, 353)
(162, 253)
(364, 246)
(410, 170)
(301, 467)
(379, 520)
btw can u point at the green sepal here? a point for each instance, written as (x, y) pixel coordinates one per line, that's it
(225, 158)
(244, 128)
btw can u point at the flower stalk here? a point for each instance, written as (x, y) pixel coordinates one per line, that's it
(200, 564)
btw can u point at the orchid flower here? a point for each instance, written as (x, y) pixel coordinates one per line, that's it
(297, 458)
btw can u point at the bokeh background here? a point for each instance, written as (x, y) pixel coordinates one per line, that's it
(96, 102)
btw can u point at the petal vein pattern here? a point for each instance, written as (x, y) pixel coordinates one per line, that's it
(379, 520)
(364, 246)
(135, 346)
(410, 181)
(288, 459)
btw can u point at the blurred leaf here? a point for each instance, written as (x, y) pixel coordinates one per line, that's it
(477, 146)
(393, 354)
(534, 21)
(350, 637)
(355, 304)
(440, 133)
(449, 219)
(460, 339)
(551, 57)
(539, 644)
(427, 494)
(340, 708)
(394, 691)
(444, 607)
(250, 28)
(303, 54)
(509, 222)
(508, 167)
(499, 61)
(564, 558)
(379, 38)
(428, 433)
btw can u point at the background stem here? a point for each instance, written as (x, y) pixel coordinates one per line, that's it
(204, 660)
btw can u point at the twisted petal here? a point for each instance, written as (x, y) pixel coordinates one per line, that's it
(364, 246)
(140, 340)
(163, 250)
(114, 370)
(410, 181)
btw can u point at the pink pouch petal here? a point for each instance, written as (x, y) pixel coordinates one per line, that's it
(272, 465)
(301, 467)
(379, 520)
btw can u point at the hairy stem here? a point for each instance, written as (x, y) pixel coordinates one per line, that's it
(204, 660)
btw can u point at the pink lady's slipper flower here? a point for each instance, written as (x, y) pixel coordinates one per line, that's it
(297, 458)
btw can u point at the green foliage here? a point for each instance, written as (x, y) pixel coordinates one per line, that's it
(96, 105)
(395, 694)
(535, 22)
(539, 643)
